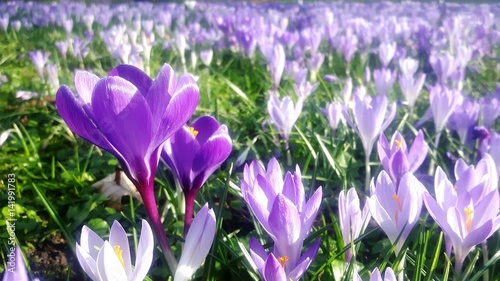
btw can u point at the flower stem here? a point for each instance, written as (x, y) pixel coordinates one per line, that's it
(486, 275)
(150, 204)
(432, 164)
(367, 172)
(401, 268)
(288, 154)
(188, 216)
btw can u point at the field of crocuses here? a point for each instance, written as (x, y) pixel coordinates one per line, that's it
(247, 141)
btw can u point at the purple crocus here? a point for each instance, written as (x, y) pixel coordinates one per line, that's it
(384, 80)
(464, 118)
(284, 113)
(377, 276)
(276, 62)
(333, 112)
(352, 219)
(131, 116)
(16, 268)
(491, 145)
(397, 159)
(39, 59)
(411, 88)
(272, 268)
(408, 67)
(467, 211)
(385, 52)
(396, 210)
(443, 102)
(193, 153)
(443, 65)
(281, 208)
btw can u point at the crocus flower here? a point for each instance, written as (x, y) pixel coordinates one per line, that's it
(276, 63)
(283, 113)
(443, 65)
(110, 260)
(490, 109)
(411, 88)
(39, 59)
(376, 276)
(396, 210)
(131, 116)
(384, 80)
(281, 208)
(4, 135)
(272, 268)
(304, 89)
(16, 268)
(467, 211)
(443, 102)
(369, 118)
(193, 153)
(352, 219)
(197, 244)
(408, 67)
(491, 145)
(206, 56)
(464, 118)
(396, 159)
(333, 112)
(386, 52)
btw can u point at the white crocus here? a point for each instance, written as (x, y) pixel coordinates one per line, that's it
(110, 260)
(197, 244)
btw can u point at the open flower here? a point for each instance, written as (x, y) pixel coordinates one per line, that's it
(396, 210)
(467, 211)
(110, 260)
(131, 116)
(193, 153)
(283, 113)
(397, 159)
(280, 207)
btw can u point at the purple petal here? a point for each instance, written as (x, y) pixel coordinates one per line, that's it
(213, 152)
(134, 75)
(118, 237)
(273, 271)
(304, 261)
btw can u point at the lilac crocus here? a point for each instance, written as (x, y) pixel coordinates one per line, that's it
(369, 118)
(491, 145)
(386, 52)
(411, 88)
(467, 211)
(110, 260)
(384, 80)
(284, 113)
(206, 56)
(272, 267)
(131, 116)
(443, 65)
(16, 268)
(193, 153)
(352, 219)
(333, 113)
(39, 59)
(197, 244)
(443, 102)
(396, 209)
(464, 118)
(397, 159)
(281, 208)
(377, 276)
(276, 64)
(408, 67)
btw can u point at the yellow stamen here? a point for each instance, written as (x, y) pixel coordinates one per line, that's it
(399, 144)
(118, 253)
(193, 131)
(282, 260)
(455, 187)
(468, 218)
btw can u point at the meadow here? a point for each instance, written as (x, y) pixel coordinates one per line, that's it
(249, 141)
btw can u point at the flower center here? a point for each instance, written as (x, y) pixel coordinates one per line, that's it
(282, 260)
(193, 131)
(118, 253)
(468, 218)
(399, 144)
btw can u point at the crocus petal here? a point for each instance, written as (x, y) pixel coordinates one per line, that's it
(160, 93)
(273, 270)
(118, 237)
(304, 261)
(311, 209)
(417, 152)
(77, 119)
(389, 275)
(214, 151)
(258, 254)
(133, 74)
(108, 264)
(90, 242)
(180, 108)
(144, 256)
(87, 263)
(84, 84)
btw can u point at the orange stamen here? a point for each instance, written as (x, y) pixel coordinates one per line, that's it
(468, 218)
(282, 260)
